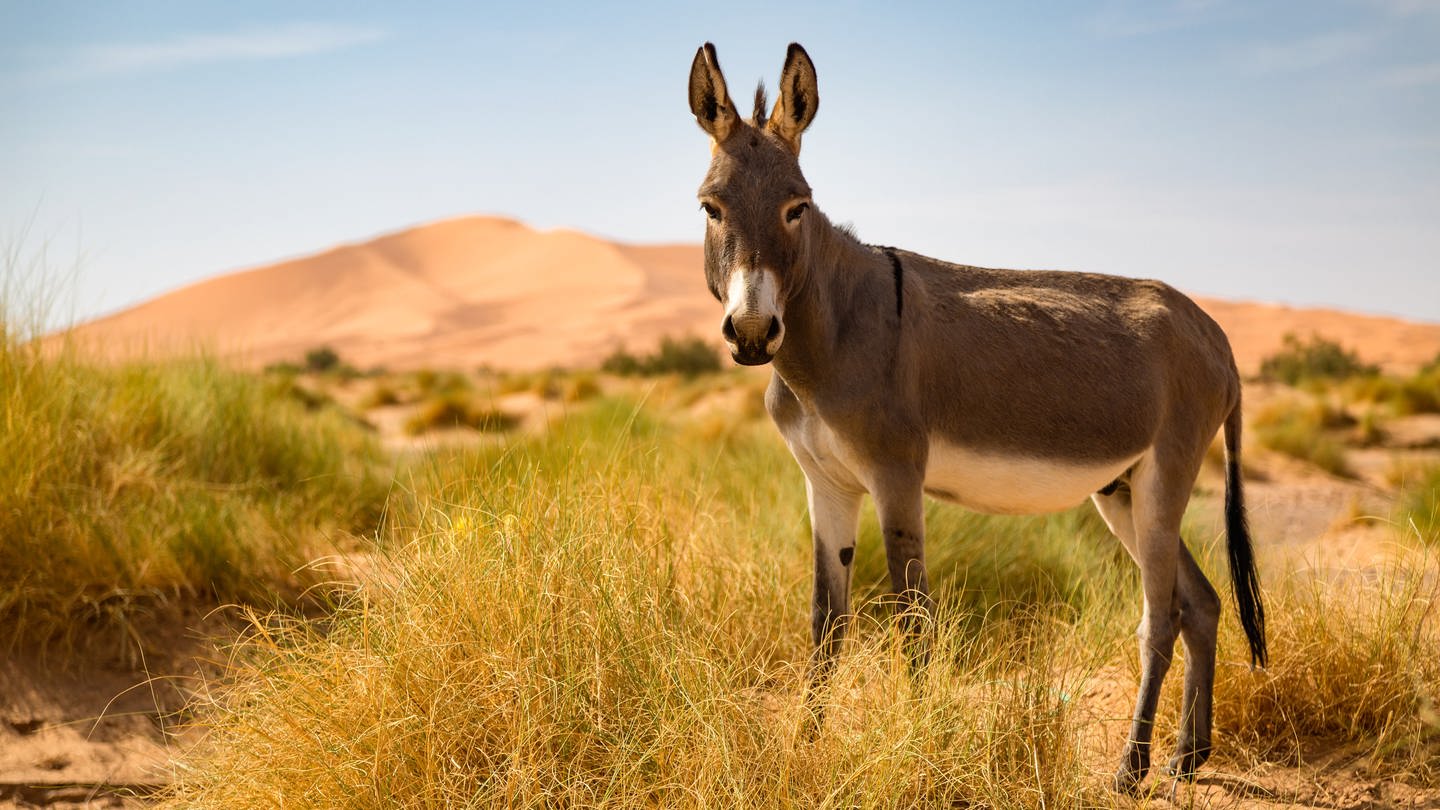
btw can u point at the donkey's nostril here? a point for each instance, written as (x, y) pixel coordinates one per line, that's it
(728, 330)
(774, 330)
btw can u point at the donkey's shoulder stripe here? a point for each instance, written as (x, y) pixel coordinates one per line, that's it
(899, 283)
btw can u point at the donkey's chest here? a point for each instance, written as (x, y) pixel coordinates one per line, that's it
(1014, 484)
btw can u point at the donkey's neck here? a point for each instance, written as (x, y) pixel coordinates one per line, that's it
(845, 307)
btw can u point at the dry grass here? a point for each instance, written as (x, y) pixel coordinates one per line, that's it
(1354, 663)
(616, 615)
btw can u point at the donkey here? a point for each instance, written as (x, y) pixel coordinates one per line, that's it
(1005, 391)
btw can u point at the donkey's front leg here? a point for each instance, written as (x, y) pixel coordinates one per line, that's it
(900, 502)
(834, 517)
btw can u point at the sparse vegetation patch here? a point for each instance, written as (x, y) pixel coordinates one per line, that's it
(1316, 358)
(688, 357)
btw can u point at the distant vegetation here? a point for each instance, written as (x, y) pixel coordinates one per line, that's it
(1317, 358)
(321, 359)
(1338, 401)
(688, 357)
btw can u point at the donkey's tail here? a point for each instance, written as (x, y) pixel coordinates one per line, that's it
(1243, 578)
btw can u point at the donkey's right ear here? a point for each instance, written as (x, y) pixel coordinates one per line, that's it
(708, 98)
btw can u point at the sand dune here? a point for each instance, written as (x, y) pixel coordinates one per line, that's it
(490, 291)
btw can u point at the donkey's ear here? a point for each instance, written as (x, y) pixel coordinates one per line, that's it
(708, 98)
(799, 98)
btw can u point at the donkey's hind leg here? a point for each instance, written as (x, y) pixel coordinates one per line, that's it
(1148, 524)
(1199, 625)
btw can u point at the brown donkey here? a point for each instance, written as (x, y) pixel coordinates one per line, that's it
(1005, 391)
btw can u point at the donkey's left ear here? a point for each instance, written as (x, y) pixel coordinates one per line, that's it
(799, 98)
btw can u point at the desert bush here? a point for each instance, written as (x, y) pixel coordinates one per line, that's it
(622, 362)
(1317, 358)
(452, 410)
(125, 488)
(1298, 428)
(321, 359)
(287, 386)
(581, 387)
(688, 357)
(1418, 394)
(381, 394)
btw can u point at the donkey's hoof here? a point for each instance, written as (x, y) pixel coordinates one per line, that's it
(1127, 781)
(1185, 764)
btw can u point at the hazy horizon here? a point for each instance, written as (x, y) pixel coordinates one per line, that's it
(1287, 153)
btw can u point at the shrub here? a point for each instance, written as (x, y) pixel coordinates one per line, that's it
(689, 357)
(381, 394)
(454, 410)
(622, 362)
(1418, 394)
(321, 358)
(581, 387)
(1317, 358)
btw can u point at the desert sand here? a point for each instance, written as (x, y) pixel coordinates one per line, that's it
(487, 291)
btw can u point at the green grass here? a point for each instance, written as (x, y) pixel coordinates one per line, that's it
(1301, 429)
(1420, 504)
(126, 488)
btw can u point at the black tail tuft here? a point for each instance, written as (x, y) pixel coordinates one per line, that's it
(1243, 577)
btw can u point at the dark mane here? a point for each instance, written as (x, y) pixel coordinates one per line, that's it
(760, 104)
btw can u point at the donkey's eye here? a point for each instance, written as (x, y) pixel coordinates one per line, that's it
(795, 211)
(710, 211)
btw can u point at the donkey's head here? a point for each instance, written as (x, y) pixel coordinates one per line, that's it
(755, 198)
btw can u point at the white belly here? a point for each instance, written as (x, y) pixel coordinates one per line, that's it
(1014, 485)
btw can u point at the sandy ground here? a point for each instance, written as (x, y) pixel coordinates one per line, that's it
(99, 729)
(476, 291)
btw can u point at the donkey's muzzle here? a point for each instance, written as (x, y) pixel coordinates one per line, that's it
(748, 344)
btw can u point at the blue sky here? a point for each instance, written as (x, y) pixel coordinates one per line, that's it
(1277, 151)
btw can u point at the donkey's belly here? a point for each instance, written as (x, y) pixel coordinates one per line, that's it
(1014, 485)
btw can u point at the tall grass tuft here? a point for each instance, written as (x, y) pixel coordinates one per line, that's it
(1353, 662)
(127, 487)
